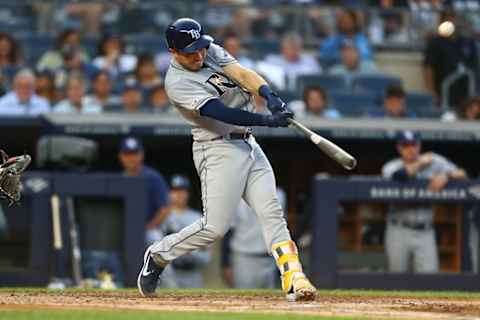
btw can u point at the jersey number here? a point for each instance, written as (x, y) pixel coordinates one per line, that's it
(219, 84)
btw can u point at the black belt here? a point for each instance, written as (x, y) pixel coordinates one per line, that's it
(413, 226)
(235, 136)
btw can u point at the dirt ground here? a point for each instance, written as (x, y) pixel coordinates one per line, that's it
(325, 305)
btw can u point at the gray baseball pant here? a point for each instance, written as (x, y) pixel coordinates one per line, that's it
(228, 171)
(402, 243)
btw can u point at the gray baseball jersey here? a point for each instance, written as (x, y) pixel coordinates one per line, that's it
(417, 213)
(189, 91)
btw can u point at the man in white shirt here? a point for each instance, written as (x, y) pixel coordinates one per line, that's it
(23, 100)
(293, 61)
(76, 100)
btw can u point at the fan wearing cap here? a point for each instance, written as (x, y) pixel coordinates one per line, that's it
(188, 268)
(410, 230)
(131, 156)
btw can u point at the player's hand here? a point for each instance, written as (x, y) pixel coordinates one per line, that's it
(278, 119)
(438, 182)
(426, 159)
(274, 103)
(227, 274)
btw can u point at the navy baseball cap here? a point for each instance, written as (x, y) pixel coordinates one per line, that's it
(408, 137)
(131, 144)
(179, 181)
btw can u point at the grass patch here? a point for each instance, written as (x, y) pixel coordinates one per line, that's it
(149, 315)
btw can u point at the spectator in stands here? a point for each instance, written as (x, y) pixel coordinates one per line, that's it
(469, 110)
(187, 268)
(351, 64)
(393, 104)
(10, 53)
(231, 43)
(158, 100)
(146, 73)
(102, 91)
(410, 228)
(132, 98)
(347, 28)
(76, 101)
(445, 54)
(53, 59)
(23, 100)
(111, 56)
(131, 157)
(72, 63)
(314, 104)
(293, 61)
(45, 86)
(10, 56)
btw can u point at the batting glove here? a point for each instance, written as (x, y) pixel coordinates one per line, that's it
(274, 103)
(278, 119)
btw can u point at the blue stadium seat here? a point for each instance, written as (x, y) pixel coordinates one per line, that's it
(289, 96)
(327, 82)
(374, 83)
(259, 48)
(144, 43)
(417, 102)
(352, 105)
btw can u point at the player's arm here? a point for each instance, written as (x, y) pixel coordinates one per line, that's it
(160, 216)
(214, 108)
(255, 84)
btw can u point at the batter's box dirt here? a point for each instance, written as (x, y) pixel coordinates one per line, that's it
(382, 305)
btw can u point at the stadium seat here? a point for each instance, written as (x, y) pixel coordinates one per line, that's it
(259, 48)
(328, 82)
(352, 105)
(144, 43)
(289, 96)
(418, 102)
(374, 83)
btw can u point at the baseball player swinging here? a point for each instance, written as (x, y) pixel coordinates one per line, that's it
(213, 92)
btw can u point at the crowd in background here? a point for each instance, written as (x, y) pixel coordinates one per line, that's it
(118, 76)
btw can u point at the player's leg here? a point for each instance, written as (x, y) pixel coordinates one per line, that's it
(222, 167)
(397, 247)
(425, 257)
(260, 194)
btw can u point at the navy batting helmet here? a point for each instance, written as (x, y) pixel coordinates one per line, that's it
(186, 35)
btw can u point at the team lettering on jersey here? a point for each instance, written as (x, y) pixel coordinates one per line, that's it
(220, 83)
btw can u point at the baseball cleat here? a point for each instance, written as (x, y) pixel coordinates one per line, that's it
(149, 274)
(302, 289)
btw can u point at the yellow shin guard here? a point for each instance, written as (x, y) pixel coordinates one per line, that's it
(294, 282)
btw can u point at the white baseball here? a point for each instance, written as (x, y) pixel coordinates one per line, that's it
(446, 29)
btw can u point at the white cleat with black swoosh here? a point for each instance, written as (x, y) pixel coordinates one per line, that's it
(149, 275)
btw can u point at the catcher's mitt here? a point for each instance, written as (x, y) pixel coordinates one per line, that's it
(11, 170)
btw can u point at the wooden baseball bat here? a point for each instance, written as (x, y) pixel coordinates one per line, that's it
(329, 148)
(76, 254)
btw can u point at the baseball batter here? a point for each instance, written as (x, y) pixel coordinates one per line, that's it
(214, 92)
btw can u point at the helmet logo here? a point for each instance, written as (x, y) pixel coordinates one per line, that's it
(195, 34)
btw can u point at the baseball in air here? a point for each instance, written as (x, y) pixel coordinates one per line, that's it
(446, 29)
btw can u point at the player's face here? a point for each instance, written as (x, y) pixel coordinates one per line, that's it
(190, 61)
(179, 197)
(131, 161)
(409, 152)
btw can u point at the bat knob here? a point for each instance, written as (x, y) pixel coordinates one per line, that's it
(350, 163)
